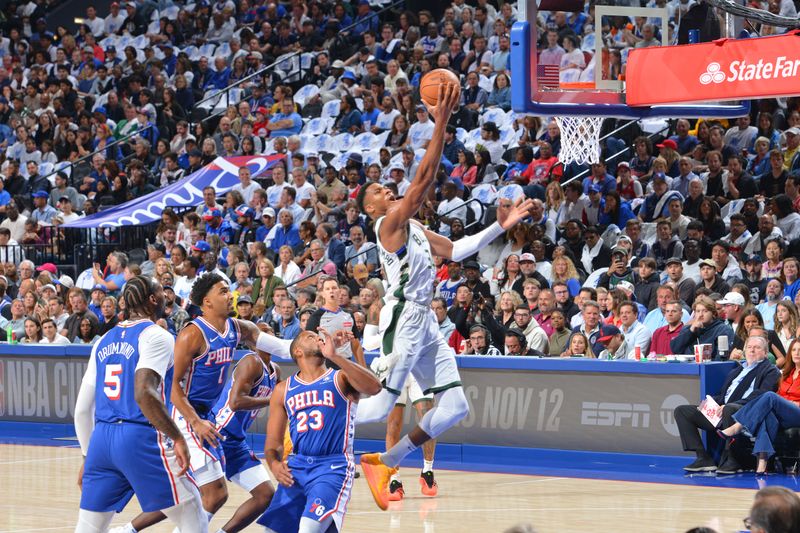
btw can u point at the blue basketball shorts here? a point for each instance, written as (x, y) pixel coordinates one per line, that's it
(241, 464)
(127, 458)
(321, 489)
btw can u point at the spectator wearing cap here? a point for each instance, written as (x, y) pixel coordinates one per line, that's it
(246, 233)
(684, 284)
(66, 211)
(42, 213)
(420, 133)
(656, 204)
(286, 122)
(710, 279)
(451, 207)
(216, 225)
(618, 270)
(173, 310)
(754, 280)
(733, 303)
(726, 264)
(614, 343)
(791, 156)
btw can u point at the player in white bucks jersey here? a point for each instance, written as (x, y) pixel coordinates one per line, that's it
(411, 337)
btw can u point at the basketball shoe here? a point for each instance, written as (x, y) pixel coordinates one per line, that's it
(396, 492)
(428, 484)
(378, 477)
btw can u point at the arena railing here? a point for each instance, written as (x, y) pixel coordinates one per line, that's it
(587, 171)
(89, 156)
(225, 92)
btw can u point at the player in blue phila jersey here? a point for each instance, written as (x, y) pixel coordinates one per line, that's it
(248, 391)
(203, 354)
(319, 405)
(134, 446)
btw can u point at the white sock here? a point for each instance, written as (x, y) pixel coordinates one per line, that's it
(221, 530)
(427, 466)
(395, 477)
(398, 452)
(129, 528)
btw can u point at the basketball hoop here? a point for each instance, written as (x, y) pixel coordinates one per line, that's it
(580, 139)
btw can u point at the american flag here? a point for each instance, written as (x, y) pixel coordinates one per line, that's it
(547, 76)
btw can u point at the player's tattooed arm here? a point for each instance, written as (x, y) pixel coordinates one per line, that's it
(146, 383)
(147, 396)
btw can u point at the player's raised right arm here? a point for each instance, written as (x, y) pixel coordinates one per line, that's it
(397, 217)
(189, 343)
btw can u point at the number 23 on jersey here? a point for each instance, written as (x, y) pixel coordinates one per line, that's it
(311, 419)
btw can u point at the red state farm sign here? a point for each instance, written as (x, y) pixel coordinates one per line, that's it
(726, 69)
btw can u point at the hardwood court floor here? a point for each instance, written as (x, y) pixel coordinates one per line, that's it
(40, 494)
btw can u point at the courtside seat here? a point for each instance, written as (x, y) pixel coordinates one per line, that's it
(787, 449)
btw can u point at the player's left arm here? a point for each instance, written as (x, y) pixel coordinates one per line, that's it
(258, 340)
(276, 428)
(356, 379)
(246, 373)
(508, 216)
(84, 405)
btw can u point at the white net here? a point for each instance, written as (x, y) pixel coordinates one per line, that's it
(580, 139)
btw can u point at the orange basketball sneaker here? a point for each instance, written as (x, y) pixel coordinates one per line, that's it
(428, 484)
(378, 476)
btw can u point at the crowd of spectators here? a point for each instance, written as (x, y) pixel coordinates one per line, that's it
(687, 238)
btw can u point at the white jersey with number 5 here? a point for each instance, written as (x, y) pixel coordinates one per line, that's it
(409, 271)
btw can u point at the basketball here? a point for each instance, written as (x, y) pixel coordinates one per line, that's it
(429, 86)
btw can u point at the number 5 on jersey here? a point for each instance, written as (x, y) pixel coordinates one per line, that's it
(113, 387)
(317, 421)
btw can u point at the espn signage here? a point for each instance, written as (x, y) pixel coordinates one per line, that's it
(726, 69)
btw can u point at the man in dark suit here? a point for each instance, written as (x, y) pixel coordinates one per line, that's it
(756, 376)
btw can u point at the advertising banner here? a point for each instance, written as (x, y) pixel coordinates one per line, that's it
(222, 174)
(602, 411)
(723, 70)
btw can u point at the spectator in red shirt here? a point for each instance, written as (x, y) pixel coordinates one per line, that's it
(539, 170)
(663, 335)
